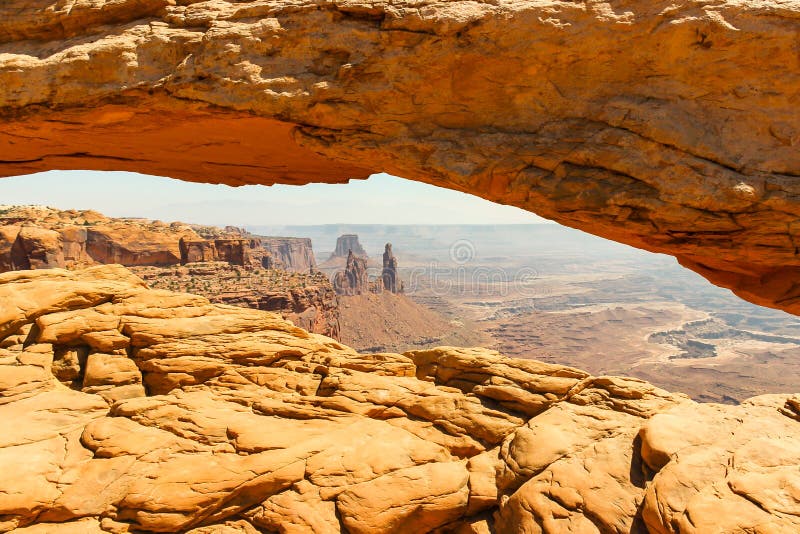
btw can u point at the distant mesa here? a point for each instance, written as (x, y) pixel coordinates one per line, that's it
(290, 253)
(346, 243)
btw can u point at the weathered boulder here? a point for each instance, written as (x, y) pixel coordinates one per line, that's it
(672, 127)
(186, 416)
(30, 247)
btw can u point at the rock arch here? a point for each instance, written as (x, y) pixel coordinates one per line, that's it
(672, 127)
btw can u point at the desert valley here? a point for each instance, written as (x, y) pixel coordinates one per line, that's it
(539, 292)
(223, 311)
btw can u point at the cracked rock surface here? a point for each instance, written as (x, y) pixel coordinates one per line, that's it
(127, 409)
(670, 126)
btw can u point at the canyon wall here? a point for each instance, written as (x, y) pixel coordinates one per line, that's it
(38, 238)
(306, 299)
(240, 248)
(242, 252)
(290, 253)
(672, 127)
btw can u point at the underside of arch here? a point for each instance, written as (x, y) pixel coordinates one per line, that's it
(672, 127)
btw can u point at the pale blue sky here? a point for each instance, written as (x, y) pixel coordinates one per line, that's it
(383, 199)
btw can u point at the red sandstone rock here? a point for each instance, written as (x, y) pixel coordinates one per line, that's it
(354, 279)
(216, 419)
(306, 299)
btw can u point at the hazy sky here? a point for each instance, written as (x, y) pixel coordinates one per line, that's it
(383, 199)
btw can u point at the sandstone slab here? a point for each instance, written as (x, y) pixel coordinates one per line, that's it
(217, 419)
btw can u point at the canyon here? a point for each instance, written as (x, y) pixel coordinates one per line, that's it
(144, 410)
(175, 395)
(554, 294)
(232, 266)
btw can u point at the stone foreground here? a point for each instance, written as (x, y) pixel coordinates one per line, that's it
(669, 126)
(128, 409)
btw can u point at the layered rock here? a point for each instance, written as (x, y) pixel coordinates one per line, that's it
(290, 253)
(39, 238)
(672, 127)
(35, 237)
(389, 276)
(354, 279)
(146, 410)
(231, 251)
(306, 299)
(346, 243)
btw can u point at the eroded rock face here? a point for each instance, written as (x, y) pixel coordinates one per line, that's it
(306, 299)
(146, 410)
(354, 279)
(36, 237)
(290, 253)
(670, 127)
(41, 238)
(389, 276)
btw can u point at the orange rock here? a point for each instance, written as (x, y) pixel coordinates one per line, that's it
(217, 419)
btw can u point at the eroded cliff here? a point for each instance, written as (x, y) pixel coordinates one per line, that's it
(306, 299)
(145, 410)
(226, 265)
(41, 238)
(672, 127)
